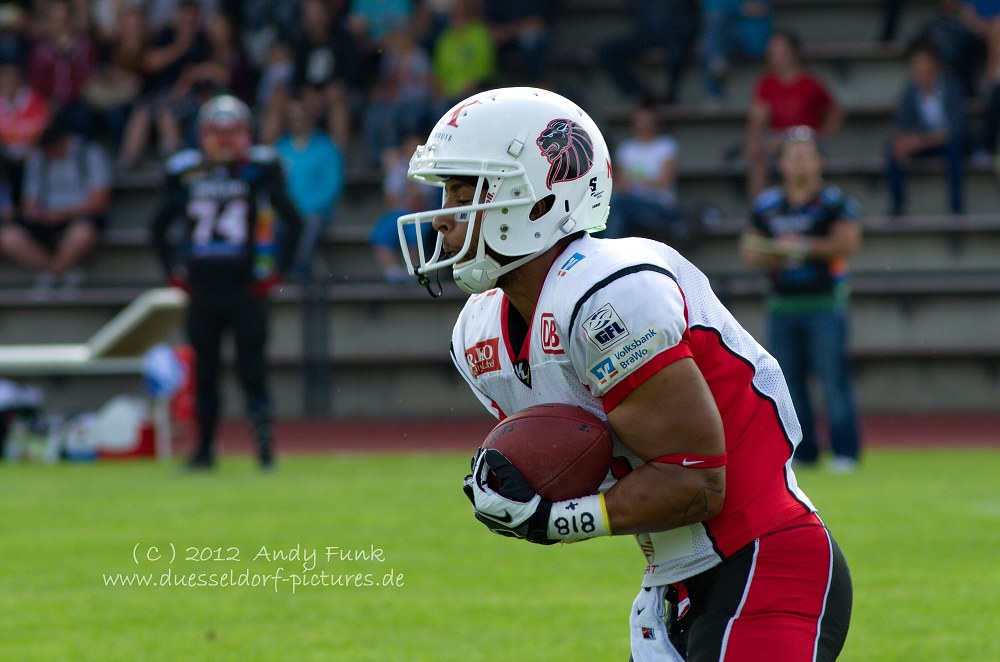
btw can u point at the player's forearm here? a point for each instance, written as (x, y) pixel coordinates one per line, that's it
(658, 497)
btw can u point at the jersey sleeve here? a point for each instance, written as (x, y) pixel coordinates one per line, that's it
(626, 329)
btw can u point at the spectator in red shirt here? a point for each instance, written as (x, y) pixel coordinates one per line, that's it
(784, 96)
(60, 62)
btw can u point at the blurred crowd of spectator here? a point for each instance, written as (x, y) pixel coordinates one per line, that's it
(328, 78)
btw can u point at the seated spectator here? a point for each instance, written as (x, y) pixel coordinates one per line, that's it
(401, 197)
(930, 121)
(67, 192)
(522, 37)
(464, 57)
(730, 27)
(644, 201)
(327, 75)
(671, 26)
(171, 52)
(784, 96)
(117, 82)
(24, 115)
(60, 62)
(314, 170)
(227, 68)
(402, 100)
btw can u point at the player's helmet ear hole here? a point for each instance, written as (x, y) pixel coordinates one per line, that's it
(542, 207)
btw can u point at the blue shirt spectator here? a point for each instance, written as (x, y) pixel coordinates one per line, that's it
(314, 168)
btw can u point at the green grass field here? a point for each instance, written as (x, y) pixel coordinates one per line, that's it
(921, 529)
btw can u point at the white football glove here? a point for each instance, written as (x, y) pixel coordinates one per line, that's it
(514, 509)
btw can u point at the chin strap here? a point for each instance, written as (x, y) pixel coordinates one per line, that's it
(426, 282)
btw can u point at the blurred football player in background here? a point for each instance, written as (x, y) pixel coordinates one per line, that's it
(739, 565)
(230, 250)
(802, 232)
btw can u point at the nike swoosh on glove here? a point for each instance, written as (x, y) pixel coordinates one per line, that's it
(514, 510)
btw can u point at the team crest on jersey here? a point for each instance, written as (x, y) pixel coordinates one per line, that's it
(605, 328)
(550, 335)
(484, 356)
(570, 262)
(568, 149)
(522, 368)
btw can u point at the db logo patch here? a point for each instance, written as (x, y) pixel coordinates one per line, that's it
(605, 328)
(550, 335)
(483, 356)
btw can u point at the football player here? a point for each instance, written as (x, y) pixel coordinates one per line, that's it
(739, 564)
(228, 252)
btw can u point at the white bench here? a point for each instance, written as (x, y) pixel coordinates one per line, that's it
(117, 348)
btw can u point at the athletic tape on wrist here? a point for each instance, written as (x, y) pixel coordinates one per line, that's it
(579, 519)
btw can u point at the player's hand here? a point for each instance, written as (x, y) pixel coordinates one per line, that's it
(261, 288)
(514, 510)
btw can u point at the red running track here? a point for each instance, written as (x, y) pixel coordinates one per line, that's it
(319, 435)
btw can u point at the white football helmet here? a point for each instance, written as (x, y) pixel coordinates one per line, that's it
(224, 128)
(523, 145)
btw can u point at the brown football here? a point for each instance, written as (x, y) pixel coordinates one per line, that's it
(563, 451)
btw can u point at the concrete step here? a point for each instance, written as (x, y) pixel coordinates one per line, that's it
(892, 310)
(888, 384)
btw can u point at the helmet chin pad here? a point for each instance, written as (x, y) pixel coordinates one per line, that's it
(477, 275)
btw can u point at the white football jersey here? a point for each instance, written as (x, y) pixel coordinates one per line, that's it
(611, 313)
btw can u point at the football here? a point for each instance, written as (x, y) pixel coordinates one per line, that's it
(563, 451)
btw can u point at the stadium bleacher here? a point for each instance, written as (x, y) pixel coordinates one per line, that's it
(926, 325)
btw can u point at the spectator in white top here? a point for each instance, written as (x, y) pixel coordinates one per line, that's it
(645, 168)
(65, 199)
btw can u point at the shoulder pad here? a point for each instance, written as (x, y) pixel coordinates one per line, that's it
(832, 193)
(183, 160)
(771, 197)
(263, 154)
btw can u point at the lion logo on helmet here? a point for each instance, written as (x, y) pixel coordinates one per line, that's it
(568, 149)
